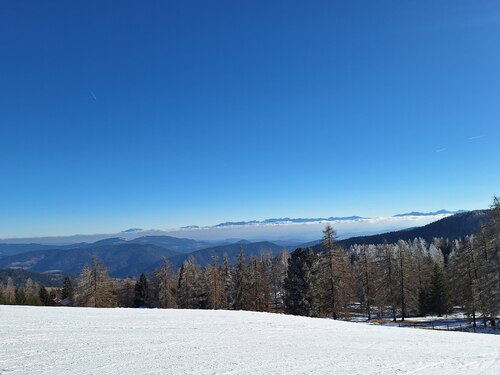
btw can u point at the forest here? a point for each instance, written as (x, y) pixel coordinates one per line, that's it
(389, 280)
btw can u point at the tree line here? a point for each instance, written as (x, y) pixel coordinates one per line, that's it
(407, 278)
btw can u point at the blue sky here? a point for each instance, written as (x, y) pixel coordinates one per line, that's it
(169, 113)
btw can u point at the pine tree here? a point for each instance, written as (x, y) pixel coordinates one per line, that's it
(44, 296)
(20, 297)
(439, 299)
(67, 290)
(301, 296)
(2, 299)
(141, 295)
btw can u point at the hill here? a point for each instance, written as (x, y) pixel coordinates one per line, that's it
(122, 260)
(19, 276)
(125, 258)
(7, 249)
(134, 341)
(204, 256)
(451, 227)
(180, 245)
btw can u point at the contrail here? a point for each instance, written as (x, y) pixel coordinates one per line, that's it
(475, 137)
(93, 95)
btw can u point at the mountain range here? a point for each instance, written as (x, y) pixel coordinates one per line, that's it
(435, 213)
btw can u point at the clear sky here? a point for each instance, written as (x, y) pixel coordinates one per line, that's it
(158, 114)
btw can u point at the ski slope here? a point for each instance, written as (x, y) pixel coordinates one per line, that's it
(53, 340)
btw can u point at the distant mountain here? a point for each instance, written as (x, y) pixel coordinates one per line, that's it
(451, 227)
(204, 257)
(122, 260)
(286, 220)
(107, 241)
(133, 230)
(11, 249)
(440, 212)
(181, 245)
(128, 258)
(20, 277)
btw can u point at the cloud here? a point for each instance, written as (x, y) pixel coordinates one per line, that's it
(258, 232)
(93, 95)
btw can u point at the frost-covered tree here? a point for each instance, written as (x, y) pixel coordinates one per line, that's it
(364, 268)
(227, 276)
(278, 271)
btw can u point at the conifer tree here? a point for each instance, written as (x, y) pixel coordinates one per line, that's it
(20, 297)
(301, 294)
(44, 296)
(2, 299)
(141, 291)
(67, 290)
(439, 299)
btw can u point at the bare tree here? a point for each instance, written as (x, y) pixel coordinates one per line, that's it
(10, 292)
(214, 280)
(94, 287)
(165, 286)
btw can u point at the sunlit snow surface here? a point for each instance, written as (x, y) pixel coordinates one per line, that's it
(58, 340)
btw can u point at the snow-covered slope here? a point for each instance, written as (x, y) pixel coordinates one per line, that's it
(37, 340)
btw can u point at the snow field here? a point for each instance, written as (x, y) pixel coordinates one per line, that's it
(53, 340)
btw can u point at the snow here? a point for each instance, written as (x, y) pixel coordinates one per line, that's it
(59, 340)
